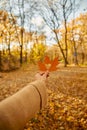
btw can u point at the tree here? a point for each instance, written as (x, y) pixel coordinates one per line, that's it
(54, 14)
(77, 38)
(82, 35)
(38, 48)
(66, 6)
(37, 52)
(73, 38)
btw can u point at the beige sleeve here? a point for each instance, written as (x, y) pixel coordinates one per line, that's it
(16, 110)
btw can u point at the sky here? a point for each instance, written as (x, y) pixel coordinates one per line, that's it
(39, 22)
(82, 7)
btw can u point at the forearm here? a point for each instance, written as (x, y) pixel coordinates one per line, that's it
(19, 108)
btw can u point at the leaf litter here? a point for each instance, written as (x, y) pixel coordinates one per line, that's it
(67, 97)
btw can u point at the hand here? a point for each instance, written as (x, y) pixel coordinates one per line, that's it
(42, 75)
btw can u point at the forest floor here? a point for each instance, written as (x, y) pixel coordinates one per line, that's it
(67, 97)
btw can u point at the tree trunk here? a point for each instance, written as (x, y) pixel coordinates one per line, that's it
(75, 55)
(66, 47)
(9, 50)
(0, 60)
(22, 16)
(83, 56)
(21, 48)
(64, 57)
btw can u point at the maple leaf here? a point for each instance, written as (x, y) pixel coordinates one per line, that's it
(54, 64)
(42, 66)
(47, 60)
(50, 65)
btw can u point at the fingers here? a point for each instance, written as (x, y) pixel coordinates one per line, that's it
(42, 75)
(45, 73)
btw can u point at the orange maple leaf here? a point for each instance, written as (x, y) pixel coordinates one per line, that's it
(47, 60)
(42, 66)
(52, 64)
